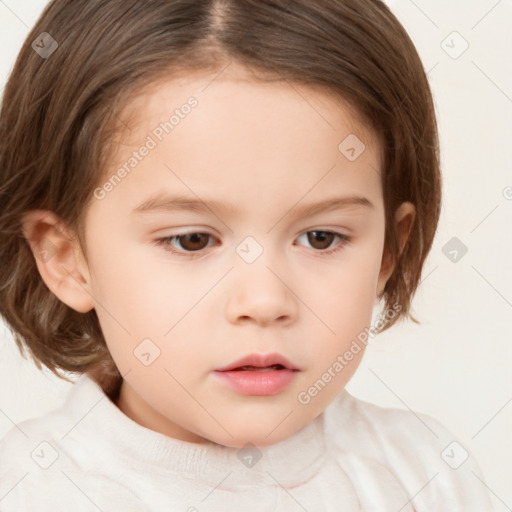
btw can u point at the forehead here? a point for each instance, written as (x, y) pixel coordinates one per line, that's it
(244, 135)
(238, 95)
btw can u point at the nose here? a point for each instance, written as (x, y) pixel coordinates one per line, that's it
(259, 294)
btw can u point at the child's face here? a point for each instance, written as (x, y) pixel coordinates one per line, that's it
(257, 283)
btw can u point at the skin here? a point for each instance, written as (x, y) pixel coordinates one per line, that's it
(266, 149)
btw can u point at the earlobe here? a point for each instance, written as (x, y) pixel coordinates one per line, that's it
(57, 256)
(404, 218)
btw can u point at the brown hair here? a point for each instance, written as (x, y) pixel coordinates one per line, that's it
(58, 117)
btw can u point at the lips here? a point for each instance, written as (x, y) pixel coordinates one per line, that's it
(260, 362)
(259, 369)
(258, 375)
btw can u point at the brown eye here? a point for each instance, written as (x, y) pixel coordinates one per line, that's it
(323, 242)
(320, 239)
(187, 243)
(193, 241)
(192, 244)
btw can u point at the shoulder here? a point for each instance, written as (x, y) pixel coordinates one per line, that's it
(22, 441)
(45, 464)
(27, 453)
(432, 464)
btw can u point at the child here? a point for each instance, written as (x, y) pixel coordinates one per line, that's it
(297, 141)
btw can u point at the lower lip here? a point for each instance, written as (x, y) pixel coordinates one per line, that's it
(262, 383)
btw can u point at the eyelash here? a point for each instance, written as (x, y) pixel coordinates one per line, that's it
(165, 243)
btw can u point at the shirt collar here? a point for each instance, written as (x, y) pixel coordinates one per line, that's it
(117, 439)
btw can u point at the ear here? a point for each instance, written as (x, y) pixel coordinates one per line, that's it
(58, 258)
(404, 218)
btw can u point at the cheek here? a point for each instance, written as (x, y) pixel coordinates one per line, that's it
(347, 305)
(128, 282)
(353, 288)
(147, 306)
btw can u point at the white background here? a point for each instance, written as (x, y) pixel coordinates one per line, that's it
(454, 365)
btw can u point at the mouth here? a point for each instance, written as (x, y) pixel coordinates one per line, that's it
(258, 374)
(260, 363)
(259, 369)
(257, 380)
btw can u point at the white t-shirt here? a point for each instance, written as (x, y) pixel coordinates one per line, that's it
(89, 456)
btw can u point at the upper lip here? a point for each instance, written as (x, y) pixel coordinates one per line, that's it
(259, 360)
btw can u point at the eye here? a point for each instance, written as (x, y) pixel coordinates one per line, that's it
(321, 240)
(191, 244)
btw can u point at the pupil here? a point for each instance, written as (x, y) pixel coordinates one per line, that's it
(193, 240)
(323, 237)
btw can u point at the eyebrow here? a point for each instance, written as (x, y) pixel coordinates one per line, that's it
(165, 203)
